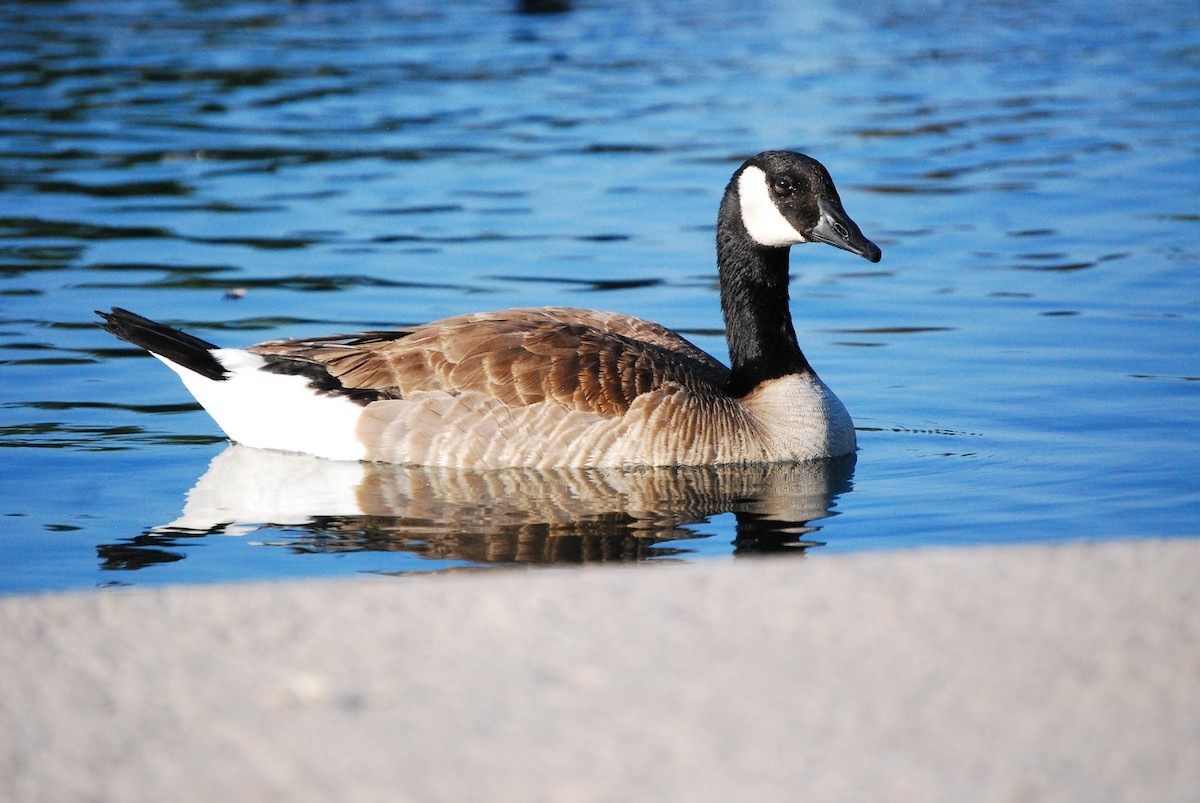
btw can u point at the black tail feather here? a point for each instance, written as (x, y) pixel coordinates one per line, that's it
(179, 347)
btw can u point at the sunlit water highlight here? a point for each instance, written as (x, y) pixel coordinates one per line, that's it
(1023, 365)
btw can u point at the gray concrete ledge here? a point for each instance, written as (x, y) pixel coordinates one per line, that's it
(1066, 673)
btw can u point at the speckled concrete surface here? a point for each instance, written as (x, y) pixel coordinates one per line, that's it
(1008, 674)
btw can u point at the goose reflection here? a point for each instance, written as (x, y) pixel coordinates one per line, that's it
(506, 516)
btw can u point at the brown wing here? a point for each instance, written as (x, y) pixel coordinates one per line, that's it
(591, 361)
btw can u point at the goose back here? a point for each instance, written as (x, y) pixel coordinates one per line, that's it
(588, 361)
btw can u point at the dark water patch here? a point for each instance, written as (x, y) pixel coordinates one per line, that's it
(27, 346)
(286, 98)
(18, 260)
(624, 148)
(541, 121)
(1166, 378)
(126, 189)
(142, 552)
(477, 237)
(214, 207)
(993, 167)
(37, 228)
(283, 243)
(62, 435)
(902, 132)
(275, 158)
(306, 284)
(597, 285)
(148, 409)
(145, 80)
(891, 330)
(603, 238)
(139, 267)
(1060, 267)
(303, 195)
(911, 189)
(1057, 261)
(49, 361)
(50, 161)
(433, 209)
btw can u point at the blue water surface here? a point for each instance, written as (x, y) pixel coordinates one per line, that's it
(1023, 365)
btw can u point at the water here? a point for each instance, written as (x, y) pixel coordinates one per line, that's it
(1023, 365)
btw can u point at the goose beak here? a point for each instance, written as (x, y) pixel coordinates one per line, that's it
(837, 229)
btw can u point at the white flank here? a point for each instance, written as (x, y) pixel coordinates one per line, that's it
(275, 411)
(760, 216)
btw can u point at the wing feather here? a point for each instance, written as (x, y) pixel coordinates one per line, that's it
(589, 361)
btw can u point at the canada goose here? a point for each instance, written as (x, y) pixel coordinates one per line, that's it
(555, 386)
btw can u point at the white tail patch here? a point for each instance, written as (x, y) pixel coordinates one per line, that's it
(760, 216)
(275, 411)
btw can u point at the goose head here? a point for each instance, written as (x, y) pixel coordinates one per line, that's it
(783, 198)
(775, 200)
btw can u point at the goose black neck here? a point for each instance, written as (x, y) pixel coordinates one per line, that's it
(754, 300)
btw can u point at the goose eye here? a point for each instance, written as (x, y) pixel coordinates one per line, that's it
(784, 186)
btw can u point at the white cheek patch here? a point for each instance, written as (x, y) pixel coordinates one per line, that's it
(760, 216)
